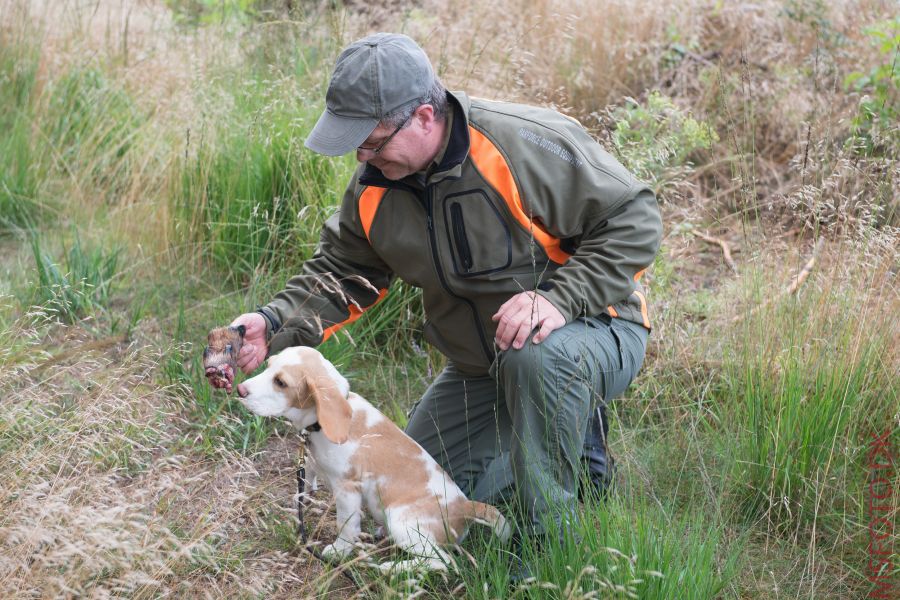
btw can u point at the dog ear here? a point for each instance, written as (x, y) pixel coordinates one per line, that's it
(333, 410)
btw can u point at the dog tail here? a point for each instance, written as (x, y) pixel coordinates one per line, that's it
(485, 514)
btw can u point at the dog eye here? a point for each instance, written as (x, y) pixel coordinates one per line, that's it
(280, 382)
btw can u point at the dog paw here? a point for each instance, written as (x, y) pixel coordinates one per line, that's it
(336, 551)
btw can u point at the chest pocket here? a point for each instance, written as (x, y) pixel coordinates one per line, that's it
(479, 237)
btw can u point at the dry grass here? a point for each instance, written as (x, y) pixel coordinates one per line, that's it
(767, 76)
(102, 495)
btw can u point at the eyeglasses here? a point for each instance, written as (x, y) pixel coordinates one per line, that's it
(381, 146)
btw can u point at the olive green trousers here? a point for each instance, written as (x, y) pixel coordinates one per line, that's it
(520, 428)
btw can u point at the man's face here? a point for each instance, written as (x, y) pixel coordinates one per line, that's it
(404, 154)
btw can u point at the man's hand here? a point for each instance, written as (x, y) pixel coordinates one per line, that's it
(255, 348)
(520, 315)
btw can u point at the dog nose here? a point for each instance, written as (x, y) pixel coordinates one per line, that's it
(242, 391)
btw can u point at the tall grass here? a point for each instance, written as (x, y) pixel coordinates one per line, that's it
(804, 386)
(91, 125)
(247, 193)
(21, 167)
(619, 549)
(805, 413)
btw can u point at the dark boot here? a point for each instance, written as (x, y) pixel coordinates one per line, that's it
(599, 465)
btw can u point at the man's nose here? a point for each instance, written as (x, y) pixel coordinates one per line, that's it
(242, 390)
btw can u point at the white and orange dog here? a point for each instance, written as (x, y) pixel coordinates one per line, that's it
(367, 461)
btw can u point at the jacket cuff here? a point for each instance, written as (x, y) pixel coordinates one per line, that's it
(272, 322)
(552, 293)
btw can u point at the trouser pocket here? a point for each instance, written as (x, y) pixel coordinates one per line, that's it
(604, 323)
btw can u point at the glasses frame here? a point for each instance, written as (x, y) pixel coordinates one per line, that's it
(381, 146)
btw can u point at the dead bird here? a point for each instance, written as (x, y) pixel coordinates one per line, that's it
(220, 356)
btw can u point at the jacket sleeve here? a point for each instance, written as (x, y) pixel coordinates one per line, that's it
(592, 201)
(343, 279)
(610, 256)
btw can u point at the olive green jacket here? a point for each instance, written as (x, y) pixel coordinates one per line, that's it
(523, 199)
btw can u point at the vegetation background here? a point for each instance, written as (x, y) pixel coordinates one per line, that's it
(154, 184)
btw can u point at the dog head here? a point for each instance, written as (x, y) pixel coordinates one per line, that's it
(301, 385)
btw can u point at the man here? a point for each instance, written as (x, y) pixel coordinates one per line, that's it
(528, 241)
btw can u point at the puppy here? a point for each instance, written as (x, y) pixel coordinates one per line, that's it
(367, 462)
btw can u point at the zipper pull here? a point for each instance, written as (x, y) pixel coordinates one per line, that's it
(429, 223)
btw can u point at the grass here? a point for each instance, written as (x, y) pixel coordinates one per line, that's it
(216, 421)
(164, 190)
(81, 287)
(800, 407)
(631, 548)
(249, 194)
(20, 171)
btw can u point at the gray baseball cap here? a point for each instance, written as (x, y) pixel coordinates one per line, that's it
(372, 77)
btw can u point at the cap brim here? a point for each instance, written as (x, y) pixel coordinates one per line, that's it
(335, 136)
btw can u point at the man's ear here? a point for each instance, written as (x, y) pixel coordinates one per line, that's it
(425, 115)
(332, 408)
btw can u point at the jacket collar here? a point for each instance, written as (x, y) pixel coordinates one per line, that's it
(454, 155)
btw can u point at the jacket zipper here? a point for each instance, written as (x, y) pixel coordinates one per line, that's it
(429, 222)
(459, 232)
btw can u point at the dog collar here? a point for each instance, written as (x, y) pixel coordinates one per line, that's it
(314, 427)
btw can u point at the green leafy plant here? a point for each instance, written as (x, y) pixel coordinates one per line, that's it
(197, 12)
(655, 140)
(879, 106)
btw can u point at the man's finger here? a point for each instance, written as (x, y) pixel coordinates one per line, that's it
(515, 322)
(507, 327)
(524, 330)
(500, 336)
(547, 327)
(512, 305)
(248, 353)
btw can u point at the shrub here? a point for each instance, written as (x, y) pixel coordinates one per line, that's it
(655, 140)
(879, 109)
